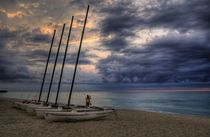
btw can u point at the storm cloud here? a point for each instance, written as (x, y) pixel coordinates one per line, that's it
(169, 59)
(181, 15)
(10, 70)
(182, 55)
(124, 18)
(119, 23)
(125, 41)
(13, 66)
(37, 36)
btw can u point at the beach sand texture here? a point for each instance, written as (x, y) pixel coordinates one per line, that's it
(17, 123)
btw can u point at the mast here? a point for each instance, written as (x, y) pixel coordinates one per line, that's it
(75, 69)
(48, 94)
(40, 93)
(64, 60)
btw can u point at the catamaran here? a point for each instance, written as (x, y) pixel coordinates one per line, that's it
(90, 113)
(41, 111)
(27, 103)
(30, 107)
(74, 112)
(60, 112)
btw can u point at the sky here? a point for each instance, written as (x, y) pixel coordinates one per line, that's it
(126, 41)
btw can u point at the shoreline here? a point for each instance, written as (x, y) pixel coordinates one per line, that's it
(134, 110)
(131, 123)
(126, 109)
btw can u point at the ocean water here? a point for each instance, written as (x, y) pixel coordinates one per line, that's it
(177, 99)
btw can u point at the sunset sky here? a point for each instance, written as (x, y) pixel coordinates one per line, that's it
(138, 41)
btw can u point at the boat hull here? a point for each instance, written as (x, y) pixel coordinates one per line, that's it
(40, 112)
(22, 106)
(76, 116)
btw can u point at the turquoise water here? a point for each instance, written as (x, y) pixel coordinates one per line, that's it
(164, 99)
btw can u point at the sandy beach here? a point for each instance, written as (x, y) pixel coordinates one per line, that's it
(17, 123)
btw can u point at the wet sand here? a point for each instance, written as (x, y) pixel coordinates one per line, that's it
(17, 123)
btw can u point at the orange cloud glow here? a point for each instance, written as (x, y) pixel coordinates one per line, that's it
(88, 68)
(88, 38)
(48, 28)
(18, 14)
(103, 54)
(91, 38)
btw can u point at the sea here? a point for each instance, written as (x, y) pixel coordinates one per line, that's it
(170, 98)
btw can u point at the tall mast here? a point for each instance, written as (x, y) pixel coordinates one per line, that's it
(40, 93)
(75, 69)
(64, 60)
(48, 94)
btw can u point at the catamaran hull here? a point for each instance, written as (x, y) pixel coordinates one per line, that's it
(20, 105)
(31, 108)
(40, 112)
(76, 116)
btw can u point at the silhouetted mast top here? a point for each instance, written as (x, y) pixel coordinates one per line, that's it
(75, 69)
(46, 67)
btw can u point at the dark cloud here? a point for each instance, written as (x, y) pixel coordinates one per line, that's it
(13, 65)
(83, 59)
(116, 44)
(24, 34)
(8, 4)
(41, 56)
(168, 59)
(172, 58)
(120, 19)
(36, 36)
(95, 4)
(6, 34)
(184, 15)
(181, 57)
(123, 19)
(11, 71)
(119, 22)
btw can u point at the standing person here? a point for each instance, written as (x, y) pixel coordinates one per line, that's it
(88, 98)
